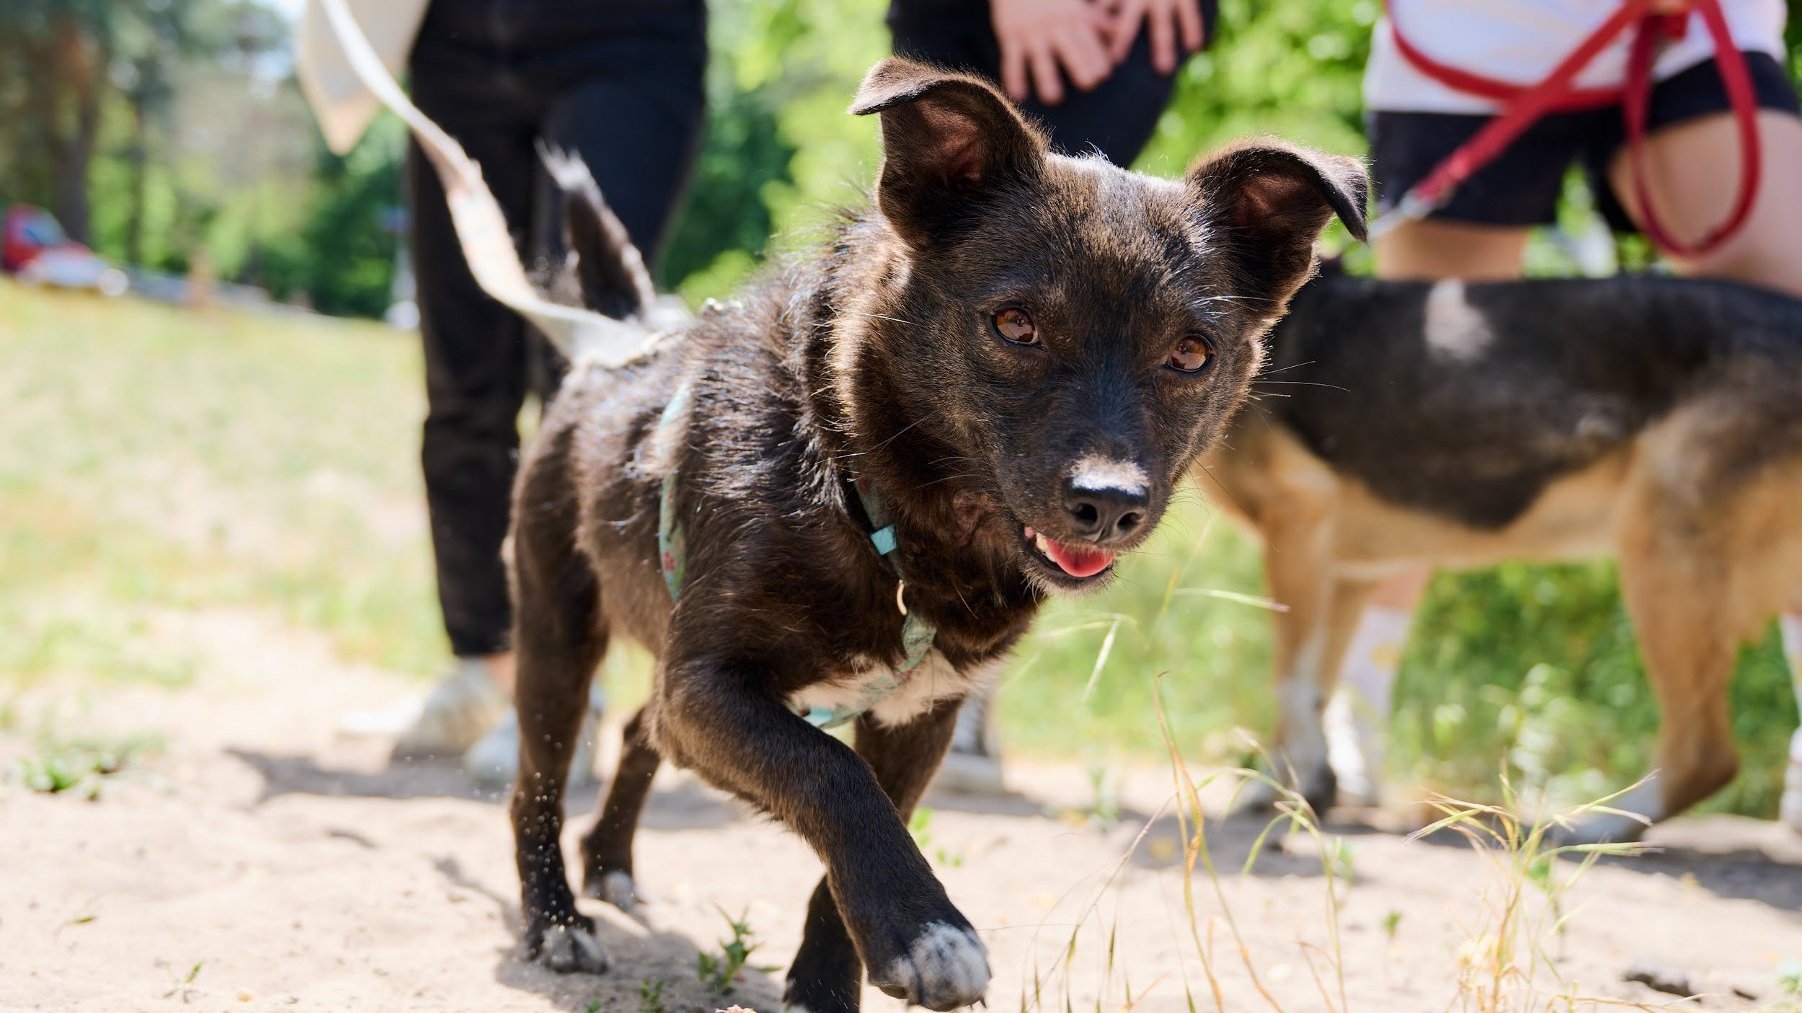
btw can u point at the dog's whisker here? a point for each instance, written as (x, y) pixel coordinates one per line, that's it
(1284, 369)
(1304, 383)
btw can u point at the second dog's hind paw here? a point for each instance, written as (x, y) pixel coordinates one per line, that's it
(570, 949)
(947, 966)
(616, 888)
(1259, 796)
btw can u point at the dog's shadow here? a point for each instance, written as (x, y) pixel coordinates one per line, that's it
(651, 969)
(675, 804)
(1734, 857)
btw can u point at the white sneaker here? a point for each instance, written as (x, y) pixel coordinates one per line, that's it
(971, 767)
(1354, 749)
(494, 761)
(453, 716)
(1791, 810)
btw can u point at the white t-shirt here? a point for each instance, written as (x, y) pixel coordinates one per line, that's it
(1521, 41)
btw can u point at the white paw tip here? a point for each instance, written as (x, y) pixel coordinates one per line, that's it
(950, 966)
(569, 949)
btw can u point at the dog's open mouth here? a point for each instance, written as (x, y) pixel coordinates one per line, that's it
(1079, 563)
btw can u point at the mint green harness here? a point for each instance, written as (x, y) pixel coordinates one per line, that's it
(916, 632)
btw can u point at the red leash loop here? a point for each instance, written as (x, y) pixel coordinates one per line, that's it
(1525, 105)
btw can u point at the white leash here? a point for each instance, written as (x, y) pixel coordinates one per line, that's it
(481, 227)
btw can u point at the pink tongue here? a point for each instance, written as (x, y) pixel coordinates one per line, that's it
(1079, 562)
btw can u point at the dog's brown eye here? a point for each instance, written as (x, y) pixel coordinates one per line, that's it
(1015, 324)
(1191, 354)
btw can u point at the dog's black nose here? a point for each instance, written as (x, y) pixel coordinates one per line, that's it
(1104, 514)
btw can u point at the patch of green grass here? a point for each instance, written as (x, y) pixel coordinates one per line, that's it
(719, 971)
(79, 766)
(156, 457)
(650, 997)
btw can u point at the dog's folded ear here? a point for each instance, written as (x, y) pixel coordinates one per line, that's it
(1265, 203)
(948, 140)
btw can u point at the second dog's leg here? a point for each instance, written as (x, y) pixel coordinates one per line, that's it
(716, 719)
(1298, 568)
(826, 976)
(1676, 589)
(607, 849)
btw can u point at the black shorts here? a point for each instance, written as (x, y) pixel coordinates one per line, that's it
(1521, 186)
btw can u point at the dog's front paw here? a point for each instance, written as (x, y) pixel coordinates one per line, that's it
(944, 967)
(567, 949)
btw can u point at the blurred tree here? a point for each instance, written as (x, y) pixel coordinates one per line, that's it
(64, 64)
(55, 53)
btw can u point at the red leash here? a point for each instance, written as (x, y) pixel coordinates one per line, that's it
(1524, 105)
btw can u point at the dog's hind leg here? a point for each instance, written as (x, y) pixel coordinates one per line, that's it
(607, 848)
(1676, 593)
(559, 638)
(1708, 554)
(827, 975)
(1703, 561)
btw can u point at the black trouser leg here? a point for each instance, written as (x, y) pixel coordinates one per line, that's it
(475, 366)
(621, 85)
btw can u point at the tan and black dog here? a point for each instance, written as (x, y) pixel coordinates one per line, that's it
(844, 496)
(1450, 425)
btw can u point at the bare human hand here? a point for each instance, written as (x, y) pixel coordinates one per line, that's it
(1042, 41)
(1167, 21)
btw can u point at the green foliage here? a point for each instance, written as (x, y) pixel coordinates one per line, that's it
(781, 152)
(342, 257)
(719, 971)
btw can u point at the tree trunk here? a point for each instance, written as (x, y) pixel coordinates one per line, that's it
(140, 182)
(72, 146)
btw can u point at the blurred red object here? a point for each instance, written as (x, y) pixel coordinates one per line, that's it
(34, 247)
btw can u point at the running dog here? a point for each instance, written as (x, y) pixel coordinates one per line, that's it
(843, 496)
(1450, 425)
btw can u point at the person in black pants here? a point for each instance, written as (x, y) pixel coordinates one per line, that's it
(619, 83)
(1096, 75)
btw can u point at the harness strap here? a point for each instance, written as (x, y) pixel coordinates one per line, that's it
(917, 634)
(671, 542)
(1524, 105)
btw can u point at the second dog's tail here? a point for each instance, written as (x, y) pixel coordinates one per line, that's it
(579, 334)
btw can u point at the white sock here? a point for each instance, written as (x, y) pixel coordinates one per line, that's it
(1791, 626)
(1357, 719)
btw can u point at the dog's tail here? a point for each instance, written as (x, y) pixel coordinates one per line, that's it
(605, 270)
(579, 334)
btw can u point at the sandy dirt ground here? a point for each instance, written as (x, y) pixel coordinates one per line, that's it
(263, 861)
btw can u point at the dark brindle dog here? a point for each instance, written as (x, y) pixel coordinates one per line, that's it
(861, 480)
(1447, 424)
